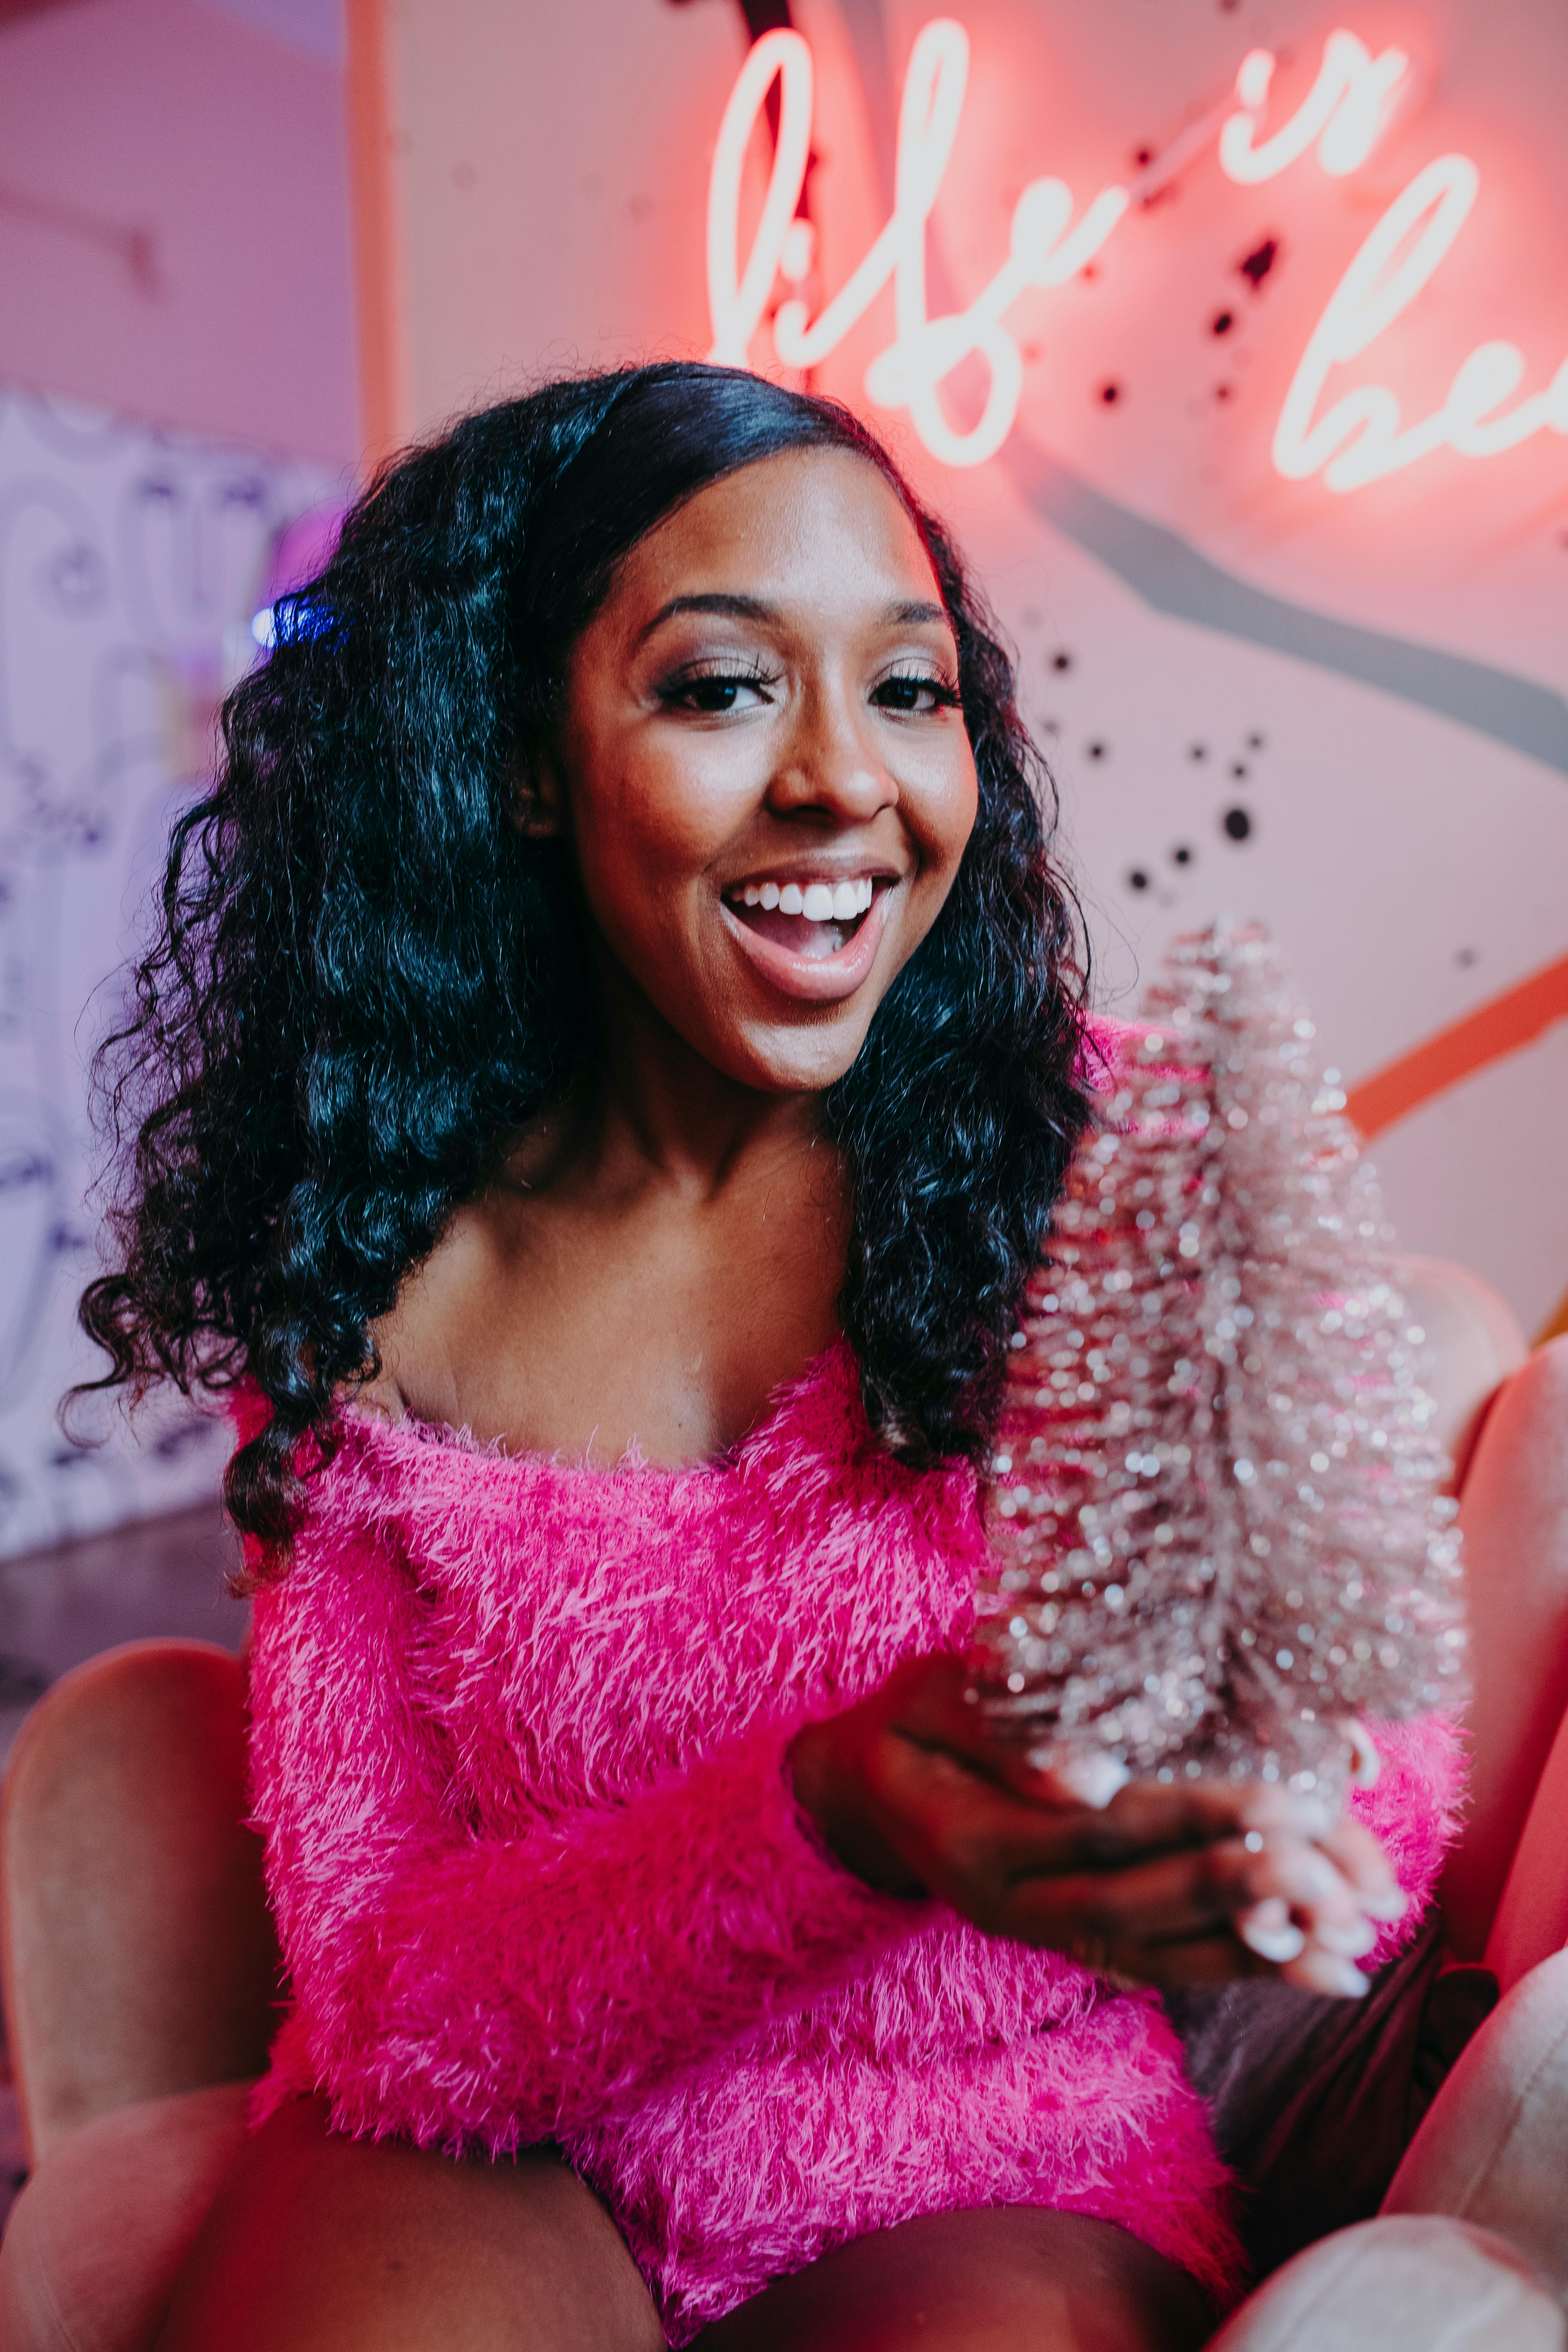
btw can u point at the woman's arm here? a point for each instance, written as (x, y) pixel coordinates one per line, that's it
(450, 1985)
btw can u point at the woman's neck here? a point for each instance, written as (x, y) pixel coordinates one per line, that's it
(656, 1114)
(652, 1261)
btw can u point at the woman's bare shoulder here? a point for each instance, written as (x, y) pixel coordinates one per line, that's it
(444, 1317)
(434, 1322)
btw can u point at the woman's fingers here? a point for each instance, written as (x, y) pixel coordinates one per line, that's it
(1284, 1903)
(1329, 1973)
(1366, 1764)
(1357, 1854)
(1268, 1929)
(1317, 1896)
(1173, 1895)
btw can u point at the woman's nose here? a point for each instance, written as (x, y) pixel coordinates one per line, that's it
(830, 769)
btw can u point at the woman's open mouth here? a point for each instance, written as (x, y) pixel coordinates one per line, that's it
(812, 935)
(812, 918)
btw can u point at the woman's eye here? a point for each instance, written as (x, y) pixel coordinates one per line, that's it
(715, 692)
(917, 694)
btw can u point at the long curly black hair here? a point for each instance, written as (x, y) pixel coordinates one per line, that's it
(366, 979)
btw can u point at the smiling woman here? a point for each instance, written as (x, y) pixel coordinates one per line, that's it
(575, 674)
(603, 1081)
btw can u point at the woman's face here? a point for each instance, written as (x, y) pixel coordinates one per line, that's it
(765, 774)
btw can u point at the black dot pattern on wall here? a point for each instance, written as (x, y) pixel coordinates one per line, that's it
(1110, 393)
(1096, 749)
(1256, 266)
(1197, 751)
(1137, 879)
(1222, 322)
(1061, 660)
(1183, 854)
(1238, 823)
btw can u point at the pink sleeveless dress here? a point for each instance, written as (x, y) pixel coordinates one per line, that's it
(519, 1741)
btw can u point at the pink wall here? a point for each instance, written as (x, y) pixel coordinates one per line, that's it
(227, 148)
(1347, 715)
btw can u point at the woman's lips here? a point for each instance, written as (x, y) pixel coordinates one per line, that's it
(817, 963)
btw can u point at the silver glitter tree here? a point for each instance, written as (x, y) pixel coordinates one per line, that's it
(1214, 1510)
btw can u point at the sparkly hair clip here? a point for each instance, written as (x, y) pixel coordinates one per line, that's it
(1214, 1504)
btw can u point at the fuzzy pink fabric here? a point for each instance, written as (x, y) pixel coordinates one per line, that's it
(518, 1735)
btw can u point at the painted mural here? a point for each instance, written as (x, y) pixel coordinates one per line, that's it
(131, 564)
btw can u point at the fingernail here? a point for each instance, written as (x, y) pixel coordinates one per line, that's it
(1392, 1903)
(1270, 1941)
(1353, 1942)
(1273, 1911)
(1327, 1972)
(1093, 1780)
(1321, 1877)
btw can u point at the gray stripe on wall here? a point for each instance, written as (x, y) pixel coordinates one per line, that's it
(1170, 574)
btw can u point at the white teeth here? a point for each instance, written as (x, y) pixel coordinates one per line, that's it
(819, 902)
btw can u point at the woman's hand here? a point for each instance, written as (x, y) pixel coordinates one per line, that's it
(1186, 1883)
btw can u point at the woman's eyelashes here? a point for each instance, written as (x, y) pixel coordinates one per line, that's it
(730, 686)
(915, 693)
(715, 690)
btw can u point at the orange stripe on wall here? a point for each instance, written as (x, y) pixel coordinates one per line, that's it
(1510, 1021)
(379, 260)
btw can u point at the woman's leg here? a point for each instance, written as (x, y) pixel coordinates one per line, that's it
(323, 2244)
(1012, 2278)
(1514, 1512)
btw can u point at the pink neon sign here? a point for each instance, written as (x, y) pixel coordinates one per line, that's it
(1357, 440)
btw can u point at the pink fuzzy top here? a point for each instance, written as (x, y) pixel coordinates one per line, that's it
(519, 1754)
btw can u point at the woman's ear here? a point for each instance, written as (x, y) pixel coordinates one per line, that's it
(538, 804)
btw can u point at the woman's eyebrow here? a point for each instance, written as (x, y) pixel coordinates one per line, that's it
(913, 613)
(737, 608)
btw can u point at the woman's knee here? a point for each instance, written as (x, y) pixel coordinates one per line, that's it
(318, 2241)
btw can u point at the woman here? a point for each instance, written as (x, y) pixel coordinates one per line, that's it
(613, 1051)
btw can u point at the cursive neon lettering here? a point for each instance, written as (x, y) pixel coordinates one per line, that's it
(1344, 111)
(737, 300)
(1044, 251)
(1362, 437)
(1358, 439)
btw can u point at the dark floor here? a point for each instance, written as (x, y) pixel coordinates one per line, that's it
(157, 1576)
(60, 1606)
